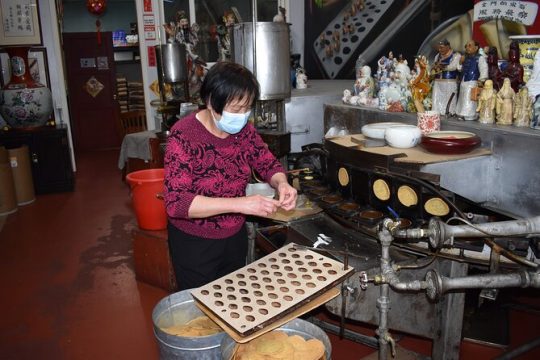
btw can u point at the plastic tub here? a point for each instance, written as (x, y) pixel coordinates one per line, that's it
(147, 194)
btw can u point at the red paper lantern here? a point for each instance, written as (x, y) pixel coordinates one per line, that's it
(96, 7)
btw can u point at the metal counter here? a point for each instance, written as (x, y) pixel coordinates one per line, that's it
(305, 108)
(508, 180)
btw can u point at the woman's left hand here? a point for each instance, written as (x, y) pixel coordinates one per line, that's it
(287, 196)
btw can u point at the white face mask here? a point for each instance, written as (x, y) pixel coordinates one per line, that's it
(232, 123)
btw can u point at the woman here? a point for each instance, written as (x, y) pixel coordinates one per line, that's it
(207, 168)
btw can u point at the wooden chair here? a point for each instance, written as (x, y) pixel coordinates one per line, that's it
(131, 122)
(155, 162)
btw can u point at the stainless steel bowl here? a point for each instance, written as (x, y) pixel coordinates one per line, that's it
(294, 327)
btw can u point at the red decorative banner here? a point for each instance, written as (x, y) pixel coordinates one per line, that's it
(147, 5)
(151, 56)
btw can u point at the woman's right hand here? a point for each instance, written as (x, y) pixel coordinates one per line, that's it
(258, 205)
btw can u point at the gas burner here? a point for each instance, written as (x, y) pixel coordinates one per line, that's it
(332, 199)
(369, 217)
(348, 206)
(311, 183)
(404, 223)
(319, 191)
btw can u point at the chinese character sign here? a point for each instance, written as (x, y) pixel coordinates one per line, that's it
(523, 12)
(20, 22)
(17, 19)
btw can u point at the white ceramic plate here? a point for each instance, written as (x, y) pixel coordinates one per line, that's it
(377, 130)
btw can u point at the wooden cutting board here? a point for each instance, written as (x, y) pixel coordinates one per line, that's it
(318, 301)
(270, 289)
(414, 155)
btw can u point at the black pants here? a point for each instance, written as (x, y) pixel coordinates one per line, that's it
(198, 261)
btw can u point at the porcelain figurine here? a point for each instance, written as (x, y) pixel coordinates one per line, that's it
(381, 96)
(402, 60)
(535, 122)
(180, 31)
(354, 100)
(400, 83)
(349, 98)
(301, 78)
(445, 74)
(522, 108)
(281, 16)
(514, 70)
(364, 86)
(486, 103)
(420, 83)
(346, 96)
(534, 82)
(382, 77)
(390, 62)
(494, 72)
(224, 40)
(473, 67)
(505, 102)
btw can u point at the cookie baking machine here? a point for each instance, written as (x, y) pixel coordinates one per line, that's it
(416, 246)
(264, 48)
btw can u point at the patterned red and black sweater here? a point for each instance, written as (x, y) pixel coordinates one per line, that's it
(199, 163)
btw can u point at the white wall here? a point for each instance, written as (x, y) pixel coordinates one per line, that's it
(51, 41)
(149, 74)
(296, 18)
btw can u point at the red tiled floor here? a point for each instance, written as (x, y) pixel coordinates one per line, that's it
(69, 289)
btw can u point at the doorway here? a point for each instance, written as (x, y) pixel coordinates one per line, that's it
(91, 90)
(98, 75)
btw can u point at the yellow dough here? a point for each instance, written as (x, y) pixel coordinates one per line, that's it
(381, 190)
(407, 196)
(343, 177)
(277, 345)
(437, 207)
(200, 326)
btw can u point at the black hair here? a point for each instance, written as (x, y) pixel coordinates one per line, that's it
(444, 42)
(227, 81)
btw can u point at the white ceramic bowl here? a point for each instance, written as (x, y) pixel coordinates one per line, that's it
(376, 130)
(261, 189)
(403, 136)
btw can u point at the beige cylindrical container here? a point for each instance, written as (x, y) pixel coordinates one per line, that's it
(21, 169)
(8, 197)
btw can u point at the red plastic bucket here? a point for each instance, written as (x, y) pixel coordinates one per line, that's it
(147, 194)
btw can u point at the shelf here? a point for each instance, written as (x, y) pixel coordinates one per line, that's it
(126, 62)
(126, 48)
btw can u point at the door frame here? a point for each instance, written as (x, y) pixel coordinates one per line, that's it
(52, 41)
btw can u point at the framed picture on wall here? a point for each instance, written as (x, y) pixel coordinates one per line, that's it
(37, 64)
(20, 23)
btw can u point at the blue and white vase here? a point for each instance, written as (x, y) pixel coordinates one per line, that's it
(24, 103)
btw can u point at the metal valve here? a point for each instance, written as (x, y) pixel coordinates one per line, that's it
(363, 280)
